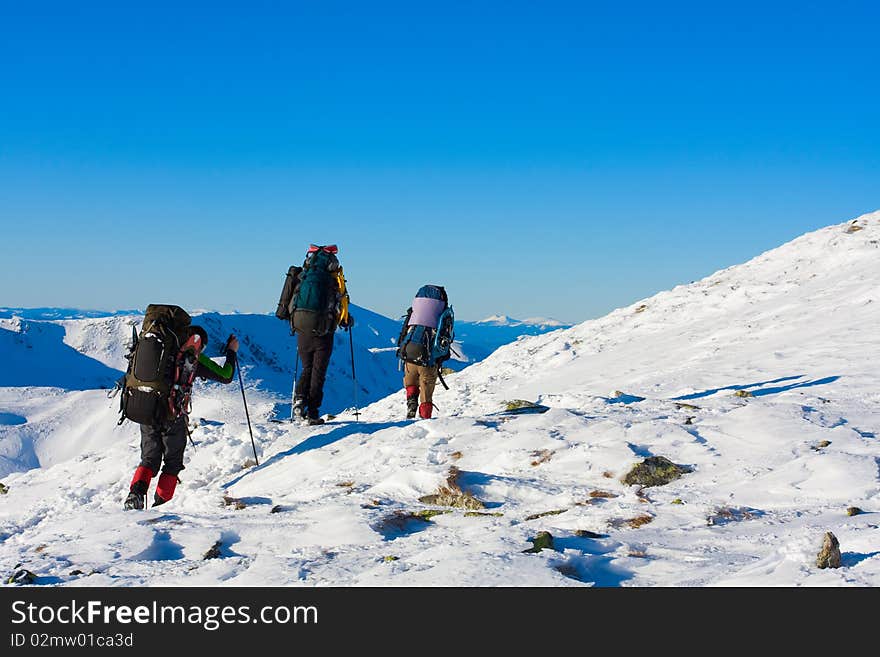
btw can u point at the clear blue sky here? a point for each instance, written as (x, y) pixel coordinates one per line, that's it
(537, 158)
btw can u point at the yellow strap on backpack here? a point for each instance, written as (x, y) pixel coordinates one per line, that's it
(342, 318)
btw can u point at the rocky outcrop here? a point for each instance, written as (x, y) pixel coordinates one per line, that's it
(543, 541)
(654, 471)
(213, 552)
(829, 555)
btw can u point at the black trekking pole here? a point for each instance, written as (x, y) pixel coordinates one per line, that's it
(293, 388)
(357, 416)
(247, 415)
(189, 433)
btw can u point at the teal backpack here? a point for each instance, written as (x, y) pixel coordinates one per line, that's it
(316, 285)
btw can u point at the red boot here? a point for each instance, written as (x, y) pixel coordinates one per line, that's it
(425, 409)
(165, 488)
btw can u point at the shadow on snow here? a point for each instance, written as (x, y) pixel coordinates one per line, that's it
(712, 391)
(761, 392)
(795, 386)
(37, 356)
(317, 441)
(594, 564)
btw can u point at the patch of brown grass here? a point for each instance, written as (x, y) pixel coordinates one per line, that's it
(452, 495)
(554, 512)
(639, 521)
(542, 456)
(632, 523)
(235, 503)
(586, 533)
(731, 514)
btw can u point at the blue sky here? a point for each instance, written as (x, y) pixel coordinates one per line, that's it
(555, 159)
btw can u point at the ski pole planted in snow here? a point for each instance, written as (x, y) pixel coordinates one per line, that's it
(246, 414)
(357, 416)
(189, 433)
(293, 388)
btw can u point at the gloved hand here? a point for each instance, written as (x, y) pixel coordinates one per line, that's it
(232, 343)
(348, 324)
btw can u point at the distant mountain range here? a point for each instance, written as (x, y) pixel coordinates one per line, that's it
(505, 320)
(50, 313)
(479, 339)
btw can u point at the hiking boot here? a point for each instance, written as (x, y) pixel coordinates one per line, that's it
(134, 501)
(137, 495)
(315, 420)
(425, 409)
(412, 406)
(299, 408)
(158, 500)
(412, 401)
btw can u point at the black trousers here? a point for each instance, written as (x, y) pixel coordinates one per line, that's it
(314, 353)
(164, 442)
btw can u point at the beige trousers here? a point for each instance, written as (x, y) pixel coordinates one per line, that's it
(425, 378)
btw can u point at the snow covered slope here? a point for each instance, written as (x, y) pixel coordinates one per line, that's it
(760, 380)
(806, 312)
(45, 359)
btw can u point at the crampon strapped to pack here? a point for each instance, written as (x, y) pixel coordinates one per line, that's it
(185, 366)
(427, 333)
(163, 359)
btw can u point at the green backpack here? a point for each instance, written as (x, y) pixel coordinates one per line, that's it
(317, 285)
(315, 307)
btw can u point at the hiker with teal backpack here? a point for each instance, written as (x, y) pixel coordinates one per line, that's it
(164, 361)
(315, 302)
(424, 344)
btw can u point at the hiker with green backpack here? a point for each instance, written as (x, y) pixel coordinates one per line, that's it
(315, 302)
(164, 361)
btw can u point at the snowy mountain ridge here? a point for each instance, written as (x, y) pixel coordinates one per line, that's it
(759, 382)
(828, 277)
